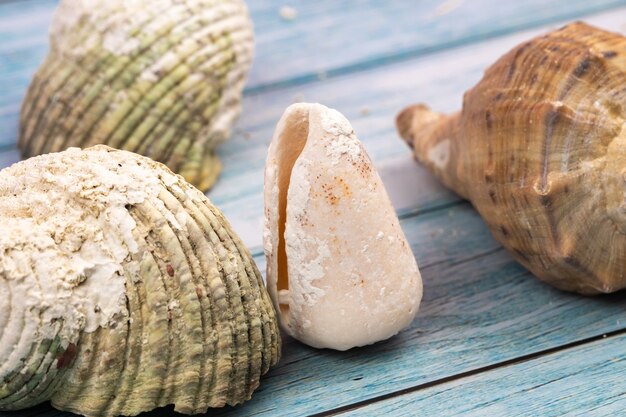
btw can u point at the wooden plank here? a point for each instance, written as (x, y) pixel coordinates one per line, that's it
(8, 158)
(435, 79)
(329, 38)
(439, 80)
(292, 52)
(585, 380)
(480, 308)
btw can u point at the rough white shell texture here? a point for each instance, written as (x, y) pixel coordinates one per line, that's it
(123, 289)
(340, 270)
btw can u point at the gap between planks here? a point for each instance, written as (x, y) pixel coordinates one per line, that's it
(395, 31)
(525, 358)
(45, 410)
(425, 268)
(238, 193)
(412, 53)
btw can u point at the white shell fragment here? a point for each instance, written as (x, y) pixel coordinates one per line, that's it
(340, 271)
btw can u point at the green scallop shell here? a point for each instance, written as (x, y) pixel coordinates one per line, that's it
(163, 80)
(127, 290)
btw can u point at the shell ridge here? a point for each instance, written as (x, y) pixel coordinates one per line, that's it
(39, 82)
(234, 298)
(53, 383)
(22, 379)
(188, 251)
(219, 292)
(108, 84)
(265, 315)
(154, 224)
(60, 397)
(255, 333)
(47, 369)
(203, 397)
(76, 68)
(250, 312)
(161, 328)
(185, 311)
(10, 379)
(133, 352)
(179, 74)
(131, 323)
(7, 309)
(27, 123)
(129, 116)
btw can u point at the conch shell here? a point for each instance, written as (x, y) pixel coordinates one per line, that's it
(539, 148)
(163, 79)
(124, 289)
(340, 271)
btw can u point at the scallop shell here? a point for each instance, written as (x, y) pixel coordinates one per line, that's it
(539, 149)
(340, 271)
(124, 289)
(162, 80)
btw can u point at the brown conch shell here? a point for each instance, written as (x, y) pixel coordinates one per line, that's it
(539, 148)
(124, 289)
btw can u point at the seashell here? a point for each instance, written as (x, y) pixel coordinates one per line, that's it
(538, 149)
(164, 81)
(339, 270)
(124, 289)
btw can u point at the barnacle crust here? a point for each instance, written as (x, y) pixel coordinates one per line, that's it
(127, 290)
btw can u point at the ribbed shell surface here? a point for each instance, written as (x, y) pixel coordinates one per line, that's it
(540, 150)
(161, 78)
(547, 168)
(124, 289)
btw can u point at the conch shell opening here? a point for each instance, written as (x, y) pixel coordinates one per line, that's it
(290, 143)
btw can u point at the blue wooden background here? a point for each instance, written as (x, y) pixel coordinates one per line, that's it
(489, 339)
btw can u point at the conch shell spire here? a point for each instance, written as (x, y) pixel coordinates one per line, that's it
(434, 138)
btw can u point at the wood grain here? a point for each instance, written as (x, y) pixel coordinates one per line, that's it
(438, 80)
(584, 380)
(9, 157)
(329, 38)
(480, 309)
(326, 39)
